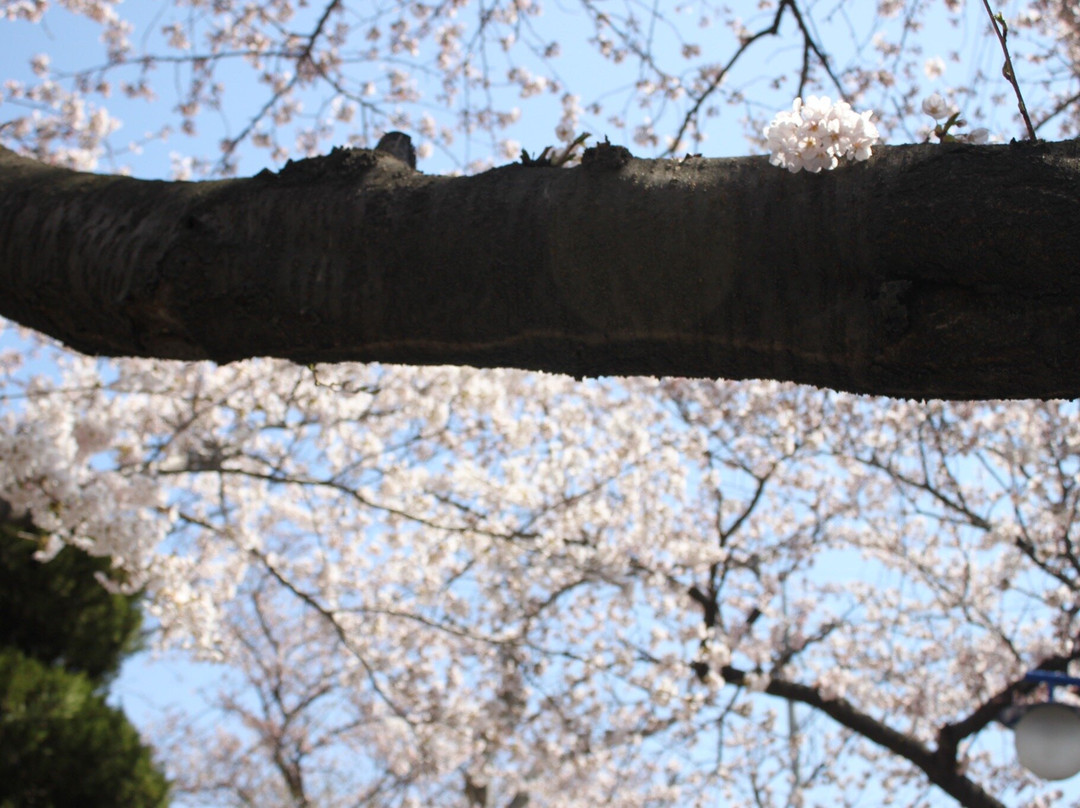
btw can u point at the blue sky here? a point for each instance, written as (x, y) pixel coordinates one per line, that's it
(846, 29)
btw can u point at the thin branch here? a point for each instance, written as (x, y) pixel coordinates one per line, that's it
(717, 79)
(1002, 31)
(335, 624)
(809, 45)
(1060, 107)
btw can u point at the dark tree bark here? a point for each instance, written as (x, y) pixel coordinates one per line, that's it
(941, 767)
(929, 271)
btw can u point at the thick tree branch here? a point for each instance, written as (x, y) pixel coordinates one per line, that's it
(929, 271)
(950, 735)
(943, 772)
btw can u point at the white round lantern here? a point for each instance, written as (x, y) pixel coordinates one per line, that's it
(1048, 741)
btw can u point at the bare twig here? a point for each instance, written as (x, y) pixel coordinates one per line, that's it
(718, 77)
(1002, 31)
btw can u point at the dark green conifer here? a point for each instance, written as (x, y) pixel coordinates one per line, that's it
(62, 640)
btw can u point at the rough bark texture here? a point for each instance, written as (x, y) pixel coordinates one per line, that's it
(946, 271)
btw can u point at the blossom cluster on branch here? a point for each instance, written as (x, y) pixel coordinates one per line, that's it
(817, 134)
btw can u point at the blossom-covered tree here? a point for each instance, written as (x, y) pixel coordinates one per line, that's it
(449, 586)
(461, 587)
(897, 276)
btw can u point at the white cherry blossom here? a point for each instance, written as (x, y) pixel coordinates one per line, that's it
(937, 107)
(817, 134)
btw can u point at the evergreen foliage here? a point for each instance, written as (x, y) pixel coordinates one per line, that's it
(58, 613)
(62, 639)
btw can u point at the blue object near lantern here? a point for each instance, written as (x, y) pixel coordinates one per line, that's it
(1047, 735)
